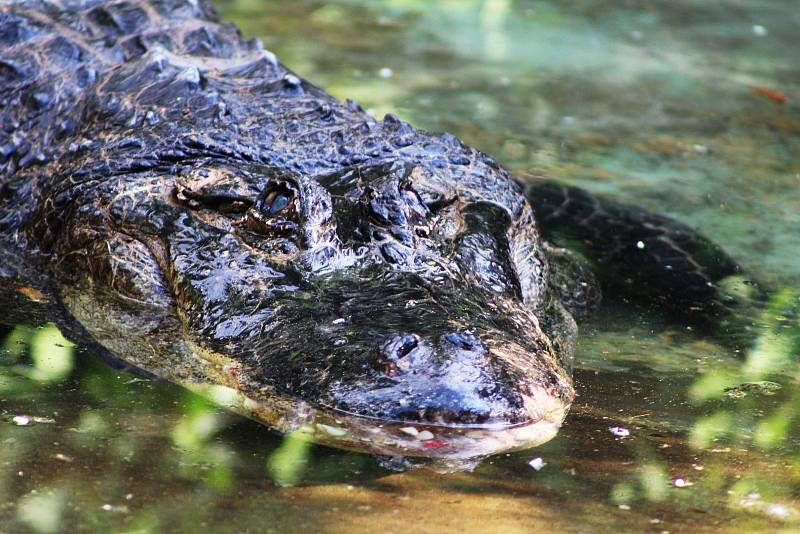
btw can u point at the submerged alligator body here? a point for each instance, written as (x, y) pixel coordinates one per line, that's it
(202, 213)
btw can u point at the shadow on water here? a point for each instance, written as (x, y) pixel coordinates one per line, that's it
(651, 102)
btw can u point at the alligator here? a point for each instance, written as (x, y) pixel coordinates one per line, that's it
(175, 196)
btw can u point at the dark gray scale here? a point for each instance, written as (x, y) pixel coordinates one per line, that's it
(15, 29)
(183, 9)
(136, 46)
(60, 50)
(114, 20)
(217, 41)
(21, 69)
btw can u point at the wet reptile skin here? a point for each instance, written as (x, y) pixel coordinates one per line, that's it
(206, 215)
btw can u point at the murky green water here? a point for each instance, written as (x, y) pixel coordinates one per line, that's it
(649, 101)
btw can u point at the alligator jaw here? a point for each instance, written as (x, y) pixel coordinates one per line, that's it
(446, 443)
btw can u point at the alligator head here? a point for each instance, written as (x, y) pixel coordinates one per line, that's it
(383, 288)
(370, 306)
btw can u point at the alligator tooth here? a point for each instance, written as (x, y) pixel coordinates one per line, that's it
(21, 420)
(334, 431)
(425, 435)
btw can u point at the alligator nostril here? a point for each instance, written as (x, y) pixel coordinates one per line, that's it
(407, 344)
(462, 341)
(399, 347)
(394, 352)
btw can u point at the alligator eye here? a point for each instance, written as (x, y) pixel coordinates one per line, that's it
(276, 202)
(275, 213)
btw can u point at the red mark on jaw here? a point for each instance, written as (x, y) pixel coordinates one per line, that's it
(233, 372)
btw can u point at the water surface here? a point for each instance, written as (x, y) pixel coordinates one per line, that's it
(659, 103)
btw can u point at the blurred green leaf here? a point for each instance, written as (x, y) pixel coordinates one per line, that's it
(774, 430)
(623, 493)
(287, 463)
(710, 428)
(52, 355)
(42, 512)
(711, 385)
(195, 430)
(17, 341)
(777, 347)
(654, 482)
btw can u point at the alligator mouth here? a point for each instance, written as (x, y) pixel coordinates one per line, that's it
(373, 435)
(462, 428)
(431, 440)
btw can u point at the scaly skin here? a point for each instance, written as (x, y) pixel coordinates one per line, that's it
(206, 215)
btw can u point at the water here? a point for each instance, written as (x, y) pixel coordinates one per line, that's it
(651, 102)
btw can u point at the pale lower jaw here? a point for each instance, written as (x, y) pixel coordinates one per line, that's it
(373, 436)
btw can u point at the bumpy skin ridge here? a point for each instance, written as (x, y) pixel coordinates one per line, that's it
(111, 88)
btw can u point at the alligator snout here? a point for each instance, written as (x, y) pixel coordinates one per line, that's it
(451, 378)
(393, 356)
(444, 380)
